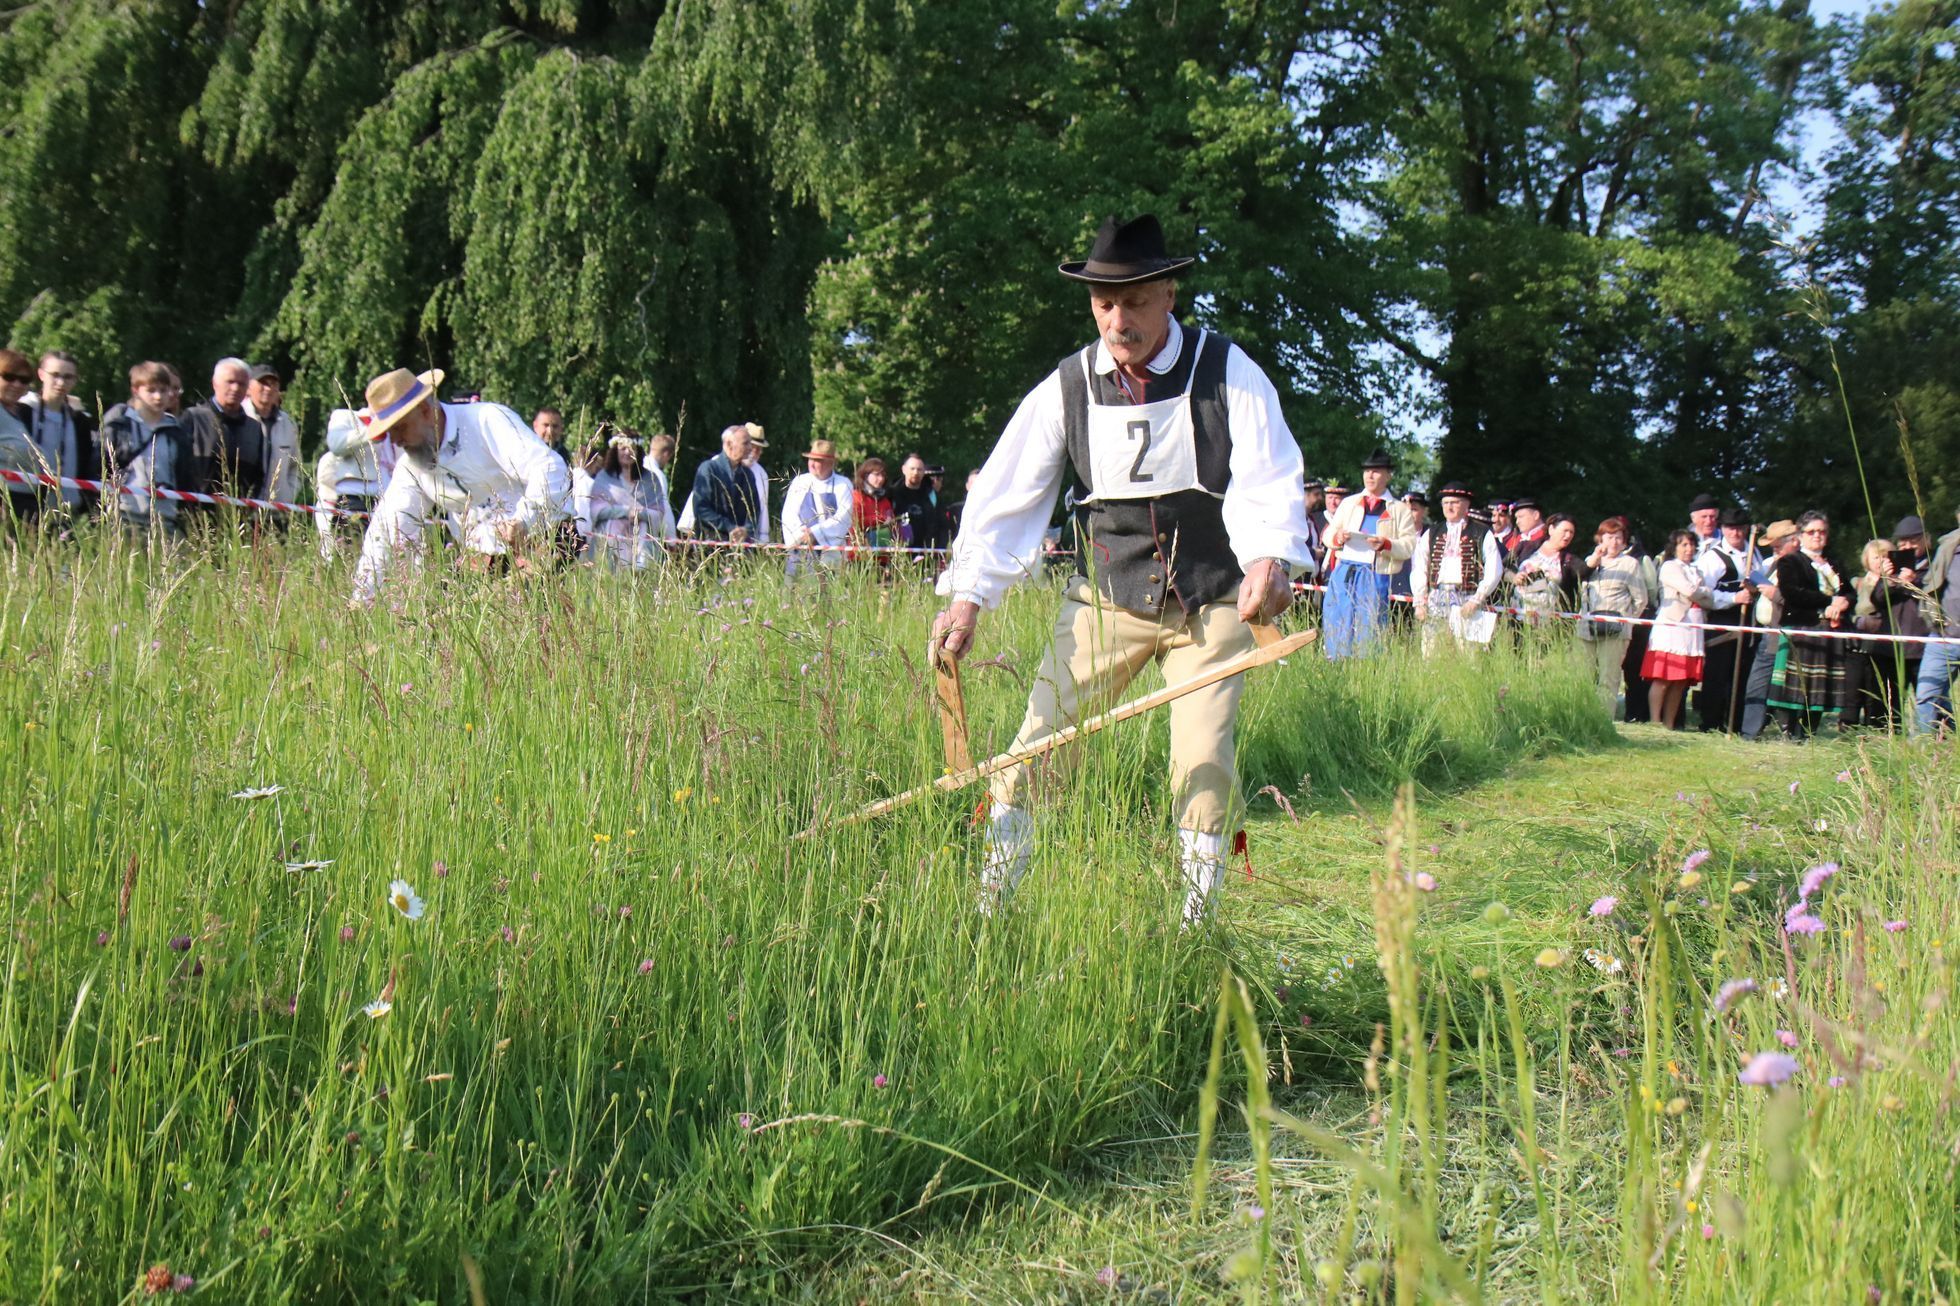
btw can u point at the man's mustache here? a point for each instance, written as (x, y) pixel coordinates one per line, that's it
(1127, 336)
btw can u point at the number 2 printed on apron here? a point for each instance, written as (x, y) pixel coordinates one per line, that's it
(1143, 451)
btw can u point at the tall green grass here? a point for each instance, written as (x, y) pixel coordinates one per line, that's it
(1504, 1080)
(642, 1042)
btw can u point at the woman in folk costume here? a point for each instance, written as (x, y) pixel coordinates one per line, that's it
(1674, 654)
(1369, 537)
(1806, 684)
(628, 509)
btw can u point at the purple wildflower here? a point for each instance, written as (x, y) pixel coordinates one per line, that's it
(442, 870)
(646, 966)
(879, 1081)
(182, 1283)
(180, 943)
(102, 939)
(1707, 1231)
(1794, 784)
(1768, 1069)
(1425, 881)
(347, 934)
(1733, 991)
(746, 1121)
(1603, 905)
(1786, 1038)
(1844, 777)
(1802, 922)
(1893, 927)
(510, 935)
(1815, 878)
(1695, 859)
(1837, 1081)
(1106, 1276)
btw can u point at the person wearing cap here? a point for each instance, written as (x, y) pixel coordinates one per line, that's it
(1317, 506)
(1369, 537)
(1401, 585)
(817, 512)
(1778, 539)
(1456, 567)
(1192, 516)
(1726, 564)
(501, 490)
(265, 399)
(1933, 693)
(1527, 533)
(350, 477)
(1705, 520)
(1501, 524)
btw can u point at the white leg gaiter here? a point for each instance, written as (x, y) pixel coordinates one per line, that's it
(1203, 866)
(1010, 837)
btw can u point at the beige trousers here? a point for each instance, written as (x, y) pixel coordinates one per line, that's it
(1097, 651)
(1607, 655)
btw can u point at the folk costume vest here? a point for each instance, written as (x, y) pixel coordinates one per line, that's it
(1150, 512)
(1471, 559)
(1730, 582)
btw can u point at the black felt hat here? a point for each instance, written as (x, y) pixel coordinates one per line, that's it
(1127, 254)
(1416, 497)
(1455, 490)
(1737, 517)
(1378, 459)
(1702, 502)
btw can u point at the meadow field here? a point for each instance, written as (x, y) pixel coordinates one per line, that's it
(462, 950)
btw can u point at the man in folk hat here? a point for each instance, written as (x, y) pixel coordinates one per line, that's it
(817, 512)
(1726, 566)
(1191, 514)
(1705, 520)
(1458, 564)
(500, 488)
(1528, 531)
(1501, 524)
(1369, 537)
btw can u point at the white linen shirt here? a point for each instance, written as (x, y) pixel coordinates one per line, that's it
(1007, 511)
(1421, 582)
(1709, 563)
(491, 470)
(828, 531)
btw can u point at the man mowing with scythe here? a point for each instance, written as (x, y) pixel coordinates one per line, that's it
(1192, 512)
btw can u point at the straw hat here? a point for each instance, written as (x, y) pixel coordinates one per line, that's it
(825, 449)
(1778, 531)
(394, 395)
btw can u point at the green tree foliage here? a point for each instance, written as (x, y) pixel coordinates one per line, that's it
(1537, 228)
(1884, 288)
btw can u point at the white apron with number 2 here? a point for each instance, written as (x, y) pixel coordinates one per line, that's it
(1143, 451)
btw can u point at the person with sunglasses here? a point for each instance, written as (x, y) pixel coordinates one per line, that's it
(17, 451)
(1806, 687)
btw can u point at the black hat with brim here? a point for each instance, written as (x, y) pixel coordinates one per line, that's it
(1525, 501)
(1455, 490)
(1703, 502)
(1379, 459)
(1127, 254)
(1737, 517)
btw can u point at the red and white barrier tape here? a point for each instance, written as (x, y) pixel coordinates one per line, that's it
(1706, 629)
(180, 496)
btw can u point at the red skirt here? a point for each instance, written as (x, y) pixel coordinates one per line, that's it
(1661, 665)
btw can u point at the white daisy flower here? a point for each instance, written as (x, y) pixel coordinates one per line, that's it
(309, 866)
(402, 897)
(1604, 962)
(267, 792)
(378, 1008)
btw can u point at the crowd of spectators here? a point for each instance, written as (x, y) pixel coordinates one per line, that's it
(1656, 626)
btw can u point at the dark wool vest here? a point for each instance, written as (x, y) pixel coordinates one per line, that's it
(1730, 582)
(1145, 554)
(1473, 552)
